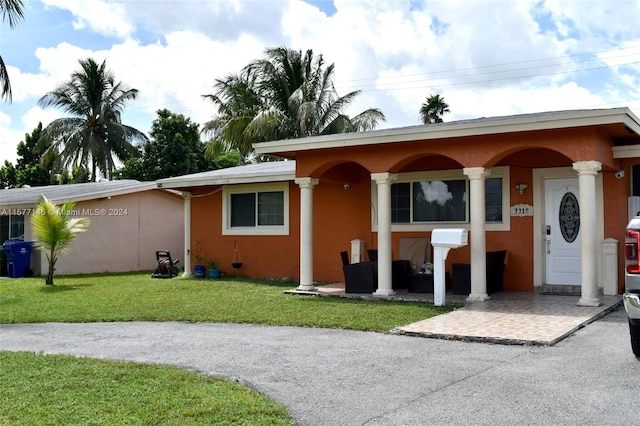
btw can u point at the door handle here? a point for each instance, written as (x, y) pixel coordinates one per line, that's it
(548, 245)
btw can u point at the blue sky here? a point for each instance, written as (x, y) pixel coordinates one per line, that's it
(485, 57)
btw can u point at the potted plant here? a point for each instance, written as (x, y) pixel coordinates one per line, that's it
(214, 272)
(199, 267)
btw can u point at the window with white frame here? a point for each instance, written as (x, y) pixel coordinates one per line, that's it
(257, 209)
(11, 228)
(425, 200)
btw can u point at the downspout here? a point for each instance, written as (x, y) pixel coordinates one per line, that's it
(187, 233)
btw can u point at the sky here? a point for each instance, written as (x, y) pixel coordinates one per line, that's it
(485, 57)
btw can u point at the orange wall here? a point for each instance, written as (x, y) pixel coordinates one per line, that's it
(487, 151)
(270, 256)
(341, 215)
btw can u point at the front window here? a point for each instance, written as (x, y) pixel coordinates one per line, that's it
(261, 209)
(426, 200)
(439, 201)
(493, 201)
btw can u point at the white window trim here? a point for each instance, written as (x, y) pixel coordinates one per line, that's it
(502, 171)
(227, 190)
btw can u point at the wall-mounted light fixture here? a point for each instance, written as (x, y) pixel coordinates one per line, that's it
(521, 187)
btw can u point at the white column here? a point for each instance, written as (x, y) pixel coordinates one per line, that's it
(587, 171)
(306, 185)
(383, 184)
(187, 233)
(477, 176)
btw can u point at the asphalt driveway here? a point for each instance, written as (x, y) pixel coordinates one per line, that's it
(337, 377)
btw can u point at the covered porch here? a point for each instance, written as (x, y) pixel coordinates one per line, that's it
(524, 155)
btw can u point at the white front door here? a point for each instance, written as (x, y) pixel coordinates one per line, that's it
(562, 229)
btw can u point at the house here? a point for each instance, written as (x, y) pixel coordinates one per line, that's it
(130, 220)
(554, 189)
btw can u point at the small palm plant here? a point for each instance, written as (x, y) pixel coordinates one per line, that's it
(54, 228)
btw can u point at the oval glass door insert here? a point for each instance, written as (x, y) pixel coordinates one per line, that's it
(569, 217)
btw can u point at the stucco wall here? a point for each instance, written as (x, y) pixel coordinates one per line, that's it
(272, 256)
(124, 234)
(341, 215)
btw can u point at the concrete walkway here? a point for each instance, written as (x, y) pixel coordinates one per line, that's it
(514, 318)
(507, 318)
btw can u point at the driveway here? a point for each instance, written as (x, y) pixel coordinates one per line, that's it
(337, 377)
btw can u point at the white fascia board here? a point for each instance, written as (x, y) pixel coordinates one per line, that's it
(627, 151)
(476, 127)
(229, 180)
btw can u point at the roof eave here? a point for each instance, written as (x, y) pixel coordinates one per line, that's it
(173, 183)
(22, 204)
(497, 125)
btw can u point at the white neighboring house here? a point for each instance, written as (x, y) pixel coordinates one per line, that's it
(130, 220)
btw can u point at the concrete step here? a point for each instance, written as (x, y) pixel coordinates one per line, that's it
(564, 290)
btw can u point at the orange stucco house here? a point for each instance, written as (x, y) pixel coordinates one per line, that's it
(554, 189)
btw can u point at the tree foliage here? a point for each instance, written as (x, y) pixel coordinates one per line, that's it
(8, 178)
(54, 228)
(433, 109)
(32, 167)
(12, 11)
(94, 134)
(35, 166)
(174, 149)
(288, 94)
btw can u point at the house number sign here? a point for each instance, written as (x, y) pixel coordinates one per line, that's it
(521, 210)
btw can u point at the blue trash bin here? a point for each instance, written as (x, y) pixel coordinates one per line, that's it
(18, 257)
(8, 251)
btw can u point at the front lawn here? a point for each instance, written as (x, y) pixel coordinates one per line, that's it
(138, 297)
(45, 389)
(60, 390)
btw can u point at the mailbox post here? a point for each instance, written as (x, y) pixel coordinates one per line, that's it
(442, 241)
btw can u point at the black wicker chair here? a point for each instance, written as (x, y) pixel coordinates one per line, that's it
(495, 274)
(400, 270)
(358, 277)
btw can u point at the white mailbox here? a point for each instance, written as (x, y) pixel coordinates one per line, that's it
(442, 241)
(452, 238)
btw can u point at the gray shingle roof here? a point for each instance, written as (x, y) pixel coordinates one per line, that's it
(274, 171)
(28, 197)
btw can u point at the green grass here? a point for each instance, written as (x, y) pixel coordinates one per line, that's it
(138, 297)
(55, 390)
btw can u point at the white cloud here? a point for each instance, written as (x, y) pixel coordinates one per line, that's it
(37, 115)
(104, 17)
(485, 58)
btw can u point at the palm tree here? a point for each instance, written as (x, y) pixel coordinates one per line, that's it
(12, 11)
(286, 95)
(433, 109)
(54, 228)
(94, 133)
(237, 105)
